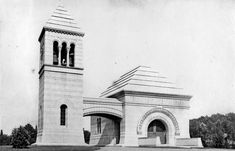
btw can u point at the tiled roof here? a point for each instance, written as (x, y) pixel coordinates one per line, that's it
(143, 79)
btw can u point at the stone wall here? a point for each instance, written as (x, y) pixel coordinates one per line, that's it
(192, 142)
(62, 88)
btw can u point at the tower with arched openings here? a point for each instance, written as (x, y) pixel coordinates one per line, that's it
(60, 81)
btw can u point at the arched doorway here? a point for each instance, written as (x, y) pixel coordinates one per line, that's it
(157, 129)
(166, 118)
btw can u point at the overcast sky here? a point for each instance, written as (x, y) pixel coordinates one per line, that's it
(190, 41)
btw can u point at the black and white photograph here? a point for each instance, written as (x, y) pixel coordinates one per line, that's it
(117, 75)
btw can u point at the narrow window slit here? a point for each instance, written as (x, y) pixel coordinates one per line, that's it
(55, 53)
(71, 55)
(64, 54)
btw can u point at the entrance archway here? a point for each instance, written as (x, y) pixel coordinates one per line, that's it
(167, 119)
(157, 129)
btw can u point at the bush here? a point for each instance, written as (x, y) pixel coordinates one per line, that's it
(20, 137)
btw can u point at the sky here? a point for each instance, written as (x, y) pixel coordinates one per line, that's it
(192, 42)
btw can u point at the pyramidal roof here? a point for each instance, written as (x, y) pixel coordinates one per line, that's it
(62, 20)
(143, 79)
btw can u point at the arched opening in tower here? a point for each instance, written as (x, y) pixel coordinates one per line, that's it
(55, 53)
(71, 55)
(64, 54)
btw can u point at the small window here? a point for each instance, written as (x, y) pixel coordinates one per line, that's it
(64, 54)
(63, 114)
(71, 55)
(99, 125)
(55, 53)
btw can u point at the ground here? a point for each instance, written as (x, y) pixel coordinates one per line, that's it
(91, 148)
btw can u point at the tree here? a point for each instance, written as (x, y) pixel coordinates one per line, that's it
(5, 139)
(218, 135)
(217, 130)
(20, 137)
(32, 132)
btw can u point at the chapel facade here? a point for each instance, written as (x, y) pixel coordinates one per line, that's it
(140, 108)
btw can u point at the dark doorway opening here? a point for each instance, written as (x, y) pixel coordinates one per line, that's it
(157, 129)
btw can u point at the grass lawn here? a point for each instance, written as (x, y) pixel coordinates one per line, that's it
(93, 148)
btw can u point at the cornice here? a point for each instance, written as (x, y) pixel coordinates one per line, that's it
(153, 105)
(47, 67)
(56, 30)
(150, 94)
(102, 102)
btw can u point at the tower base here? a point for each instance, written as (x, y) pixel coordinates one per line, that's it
(60, 138)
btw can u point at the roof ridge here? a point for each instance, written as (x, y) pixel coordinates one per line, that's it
(155, 86)
(63, 21)
(121, 80)
(122, 83)
(114, 89)
(129, 71)
(58, 16)
(153, 81)
(134, 69)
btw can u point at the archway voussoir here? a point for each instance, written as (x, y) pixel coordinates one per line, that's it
(158, 110)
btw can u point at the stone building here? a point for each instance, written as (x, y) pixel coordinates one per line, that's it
(141, 108)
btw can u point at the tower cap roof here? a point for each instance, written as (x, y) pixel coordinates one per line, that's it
(144, 79)
(61, 20)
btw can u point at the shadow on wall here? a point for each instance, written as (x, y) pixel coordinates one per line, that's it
(110, 133)
(87, 136)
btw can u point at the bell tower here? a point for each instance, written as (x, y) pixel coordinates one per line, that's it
(60, 108)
